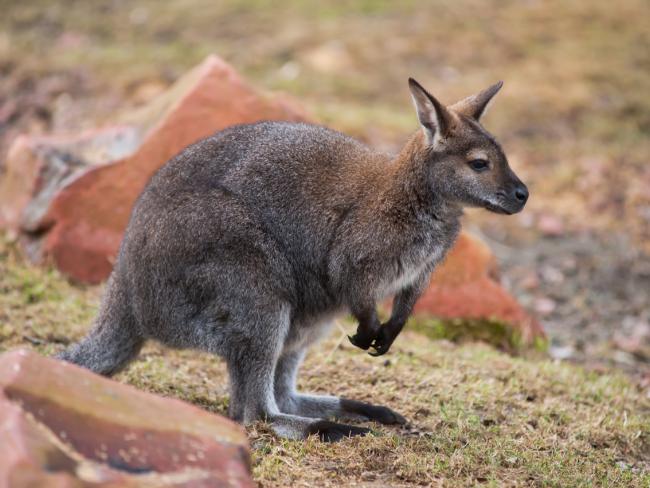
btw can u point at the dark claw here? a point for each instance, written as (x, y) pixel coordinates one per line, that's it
(381, 345)
(379, 351)
(361, 344)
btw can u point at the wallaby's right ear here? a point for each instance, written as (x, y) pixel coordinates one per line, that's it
(434, 117)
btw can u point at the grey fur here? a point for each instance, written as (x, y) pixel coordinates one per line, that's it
(249, 242)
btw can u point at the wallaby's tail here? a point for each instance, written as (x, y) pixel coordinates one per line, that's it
(114, 340)
(107, 349)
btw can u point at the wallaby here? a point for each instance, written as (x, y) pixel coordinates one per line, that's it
(249, 242)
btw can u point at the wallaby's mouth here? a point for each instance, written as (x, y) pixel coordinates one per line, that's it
(497, 208)
(510, 202)
(506, 208)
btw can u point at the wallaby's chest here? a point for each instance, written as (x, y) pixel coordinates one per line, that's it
(416, 258)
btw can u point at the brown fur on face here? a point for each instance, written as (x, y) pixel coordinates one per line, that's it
(454, 141)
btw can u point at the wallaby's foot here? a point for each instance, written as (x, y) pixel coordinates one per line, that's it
(328, 431)
(377, 413)
(318, 407)
(322, 406)
(297, 428)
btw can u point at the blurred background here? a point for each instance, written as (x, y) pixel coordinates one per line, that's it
(573, 117)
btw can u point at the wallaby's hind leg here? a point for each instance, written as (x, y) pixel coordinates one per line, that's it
(292, 402)
(252, 373)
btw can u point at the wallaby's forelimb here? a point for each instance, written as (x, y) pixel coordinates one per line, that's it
(368, 327)
(403, 304)
(402, 308)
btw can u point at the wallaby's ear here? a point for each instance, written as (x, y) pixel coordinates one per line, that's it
(476, 105)
(434, 116)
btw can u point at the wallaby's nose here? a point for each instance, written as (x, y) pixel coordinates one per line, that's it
(521, 193)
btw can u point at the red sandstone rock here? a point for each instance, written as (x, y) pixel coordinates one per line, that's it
(466, 286)
(62, 426)
(79, 223)
(37, 167)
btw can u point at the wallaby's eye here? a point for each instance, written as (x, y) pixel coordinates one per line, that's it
(479, 165)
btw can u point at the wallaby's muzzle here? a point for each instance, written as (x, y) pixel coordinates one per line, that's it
(510, 201)
(520, 194)
(516, 198)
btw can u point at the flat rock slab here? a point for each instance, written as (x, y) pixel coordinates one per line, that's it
(61, 425)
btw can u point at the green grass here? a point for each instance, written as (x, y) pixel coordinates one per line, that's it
(477, 415)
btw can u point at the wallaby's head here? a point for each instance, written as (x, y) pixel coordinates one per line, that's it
(464, 161)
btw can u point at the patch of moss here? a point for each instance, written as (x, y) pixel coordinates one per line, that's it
(491, 331)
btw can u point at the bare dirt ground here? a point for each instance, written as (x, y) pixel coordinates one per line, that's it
(590, 291)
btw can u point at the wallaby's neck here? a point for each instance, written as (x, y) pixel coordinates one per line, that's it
(412, 189)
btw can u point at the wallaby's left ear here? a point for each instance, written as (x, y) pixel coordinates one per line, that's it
(476, 105)
(434, 117)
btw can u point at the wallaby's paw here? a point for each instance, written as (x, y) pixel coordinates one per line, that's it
(332, 432)
(382, 343)
(379, 348)
(362, 342)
